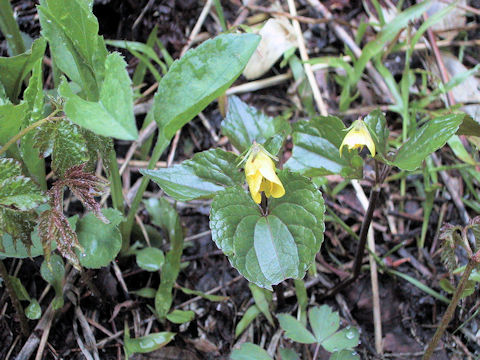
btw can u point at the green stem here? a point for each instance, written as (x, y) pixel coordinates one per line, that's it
(9, 28)
(472, 262)
(160, 146)
(14, 298)
(116, 182)
(29, 128)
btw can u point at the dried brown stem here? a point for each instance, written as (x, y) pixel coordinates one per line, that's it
(447, 317)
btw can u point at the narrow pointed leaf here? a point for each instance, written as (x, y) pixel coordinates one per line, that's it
(71, 30)
(146, 344)
(295, 330)
(34, 97)
(112, 115)
(429, 138)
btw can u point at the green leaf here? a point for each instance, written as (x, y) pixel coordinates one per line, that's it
(137, 47)
(429, 138)
(202, 176)
(148, 293)
(267, 250)
(33, 311)
(244, 124)
(263, 299)
(316, 149)
(166, 217)
(65, 142)
(295, 330)
(19, 289)
(112, 115)
(203, 295)
(101, 242)
(247, 318)
(13, 70)
(275, 249)
(11, 121)
(34, 97)
(377, 126)
(15, 249)
(249, 351)
(150, 259)
(76, 48)
(344, 339)
(180, 316)
(323, 321)
(288, 354)
(345, 355)
(387, 34)
(145, 344)
(53, 273)
(199, 77)
(15, 225)
(17, 192)
(10, 29)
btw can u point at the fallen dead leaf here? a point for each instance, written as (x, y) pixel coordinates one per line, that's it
(277, 37)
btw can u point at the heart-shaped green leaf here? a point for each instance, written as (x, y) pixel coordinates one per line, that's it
(101, 242)
(202, 176)
(316, 149)
(199, 77)
(269, 249)
(244, 124)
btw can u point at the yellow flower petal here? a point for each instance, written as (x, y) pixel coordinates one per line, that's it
(357, 137)
(260, 175)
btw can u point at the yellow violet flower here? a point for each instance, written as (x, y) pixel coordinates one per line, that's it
(357, 137)
(261, 176)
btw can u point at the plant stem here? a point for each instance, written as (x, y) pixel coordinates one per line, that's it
(472, 262)
(116, 182)
(30, 128)
(317, 350)
(14, 298)
(367, 220)
(160, 146)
